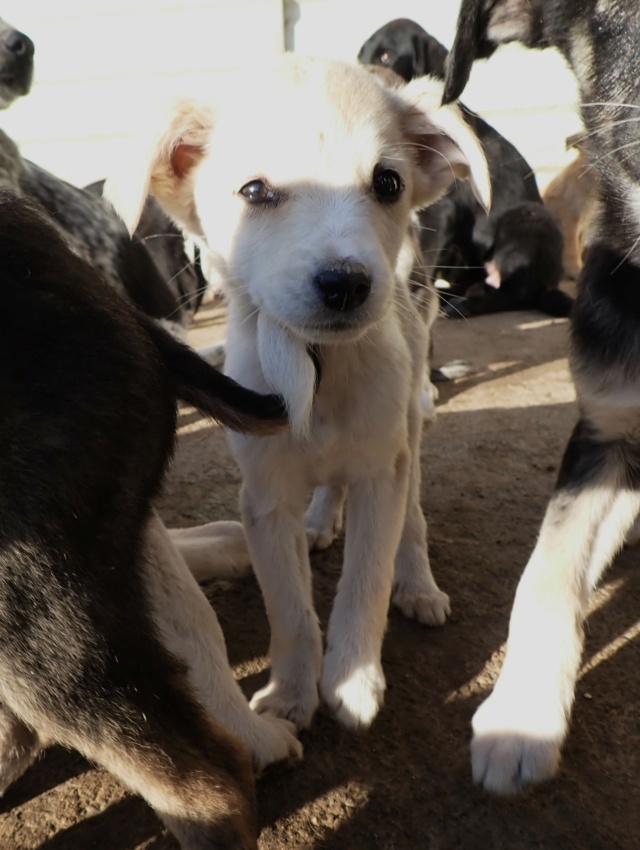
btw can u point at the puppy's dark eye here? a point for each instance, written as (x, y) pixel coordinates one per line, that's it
(387, 185)
(259, 192)
(387, 58)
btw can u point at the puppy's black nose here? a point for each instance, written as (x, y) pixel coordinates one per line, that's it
(343, 286)
(19, 43)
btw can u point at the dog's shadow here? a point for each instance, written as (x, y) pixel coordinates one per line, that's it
(55, 767)
(525, 339)
(124, 825)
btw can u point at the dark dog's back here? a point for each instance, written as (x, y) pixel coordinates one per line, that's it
(89, 387)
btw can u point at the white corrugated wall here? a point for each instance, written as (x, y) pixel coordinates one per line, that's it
(96, 60)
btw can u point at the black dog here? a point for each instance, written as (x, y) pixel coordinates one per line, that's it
(520, 729)
(90, 589)
(524, 267)
(458, 236)
(16, 64)
(165, 243)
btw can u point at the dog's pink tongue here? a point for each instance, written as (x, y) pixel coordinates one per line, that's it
(493, 275)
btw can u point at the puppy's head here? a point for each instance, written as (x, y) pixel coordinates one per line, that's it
(482, 26)
(301, 179)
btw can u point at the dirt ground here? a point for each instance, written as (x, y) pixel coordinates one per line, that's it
(488, 469)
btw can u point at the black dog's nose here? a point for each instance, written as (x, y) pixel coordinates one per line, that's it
(343, 286)
(19, 43)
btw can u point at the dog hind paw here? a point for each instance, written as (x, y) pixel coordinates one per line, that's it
(278, 742)
(430, 609)
(294, 703)
(325, 517)
(320, 538)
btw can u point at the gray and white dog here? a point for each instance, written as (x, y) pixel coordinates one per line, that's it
(135, 267)
(519, 730)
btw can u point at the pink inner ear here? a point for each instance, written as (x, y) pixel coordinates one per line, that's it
(184, 157)
(428, 146)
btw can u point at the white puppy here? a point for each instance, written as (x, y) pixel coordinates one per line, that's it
(301, 179)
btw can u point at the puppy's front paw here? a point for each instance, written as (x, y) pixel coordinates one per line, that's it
(277, 741)
(516, 742)
(354, 695)
(431, 609)
(293, 701)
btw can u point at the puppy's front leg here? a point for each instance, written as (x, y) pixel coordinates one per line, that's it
(519, 730)
(353, 683)
(279, 551)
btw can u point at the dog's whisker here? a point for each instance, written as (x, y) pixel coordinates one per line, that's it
(596, 104)
(151, 236)
(593, 163)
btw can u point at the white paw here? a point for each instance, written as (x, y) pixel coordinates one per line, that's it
(324, 519)
(277, 741)
(320, 538)
(430, 609)
(354, 696)
(428, 398)
(516, 742)
(293, 701)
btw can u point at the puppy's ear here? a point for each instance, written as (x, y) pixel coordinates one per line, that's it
(161, 161)
(482, 26)
(289, 371)
(444, 146)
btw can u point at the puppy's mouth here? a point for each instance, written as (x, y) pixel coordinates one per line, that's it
(17, 83)
(338, 329)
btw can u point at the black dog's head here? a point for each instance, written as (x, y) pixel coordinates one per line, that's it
(568, 25)
(484, 24)
(16, 64)
(406, 48)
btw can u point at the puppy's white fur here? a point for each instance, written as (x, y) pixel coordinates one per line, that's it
(315, 131)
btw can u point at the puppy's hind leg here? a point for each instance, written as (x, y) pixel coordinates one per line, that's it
(519, 730)
(19, 746)
(214, 550)
(415, 591)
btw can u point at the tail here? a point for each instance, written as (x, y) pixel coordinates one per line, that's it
(213, 393)
(555, 302)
